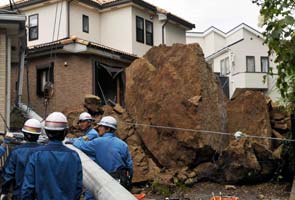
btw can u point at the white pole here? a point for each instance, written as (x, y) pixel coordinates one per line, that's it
(99, 182)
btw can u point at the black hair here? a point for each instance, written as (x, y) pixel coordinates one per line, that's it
(31, 137)
(56, 135)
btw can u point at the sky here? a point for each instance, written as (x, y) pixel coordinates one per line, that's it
(223, 14)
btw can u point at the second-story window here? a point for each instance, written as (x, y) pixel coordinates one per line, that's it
(33, 27)
(149, 33)
(264, 63)
(139, 29)
(250, 63)
(85, 23)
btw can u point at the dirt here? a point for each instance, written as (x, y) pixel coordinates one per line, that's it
(204, 191)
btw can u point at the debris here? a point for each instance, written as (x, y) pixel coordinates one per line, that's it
(230, 187)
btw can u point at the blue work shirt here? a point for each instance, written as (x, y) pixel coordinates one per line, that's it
(54, 172)
(110, 152)
(14, 168)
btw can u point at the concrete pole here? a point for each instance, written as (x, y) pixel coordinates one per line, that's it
(99, 182)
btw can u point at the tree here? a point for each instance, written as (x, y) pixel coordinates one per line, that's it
(278, 18)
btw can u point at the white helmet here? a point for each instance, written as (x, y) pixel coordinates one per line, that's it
(32, 126)
(108, 121)
(85, 116)
(56, 121)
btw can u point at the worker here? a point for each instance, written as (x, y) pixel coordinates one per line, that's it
(54, 171)
(85, 124)
(14, 167)
(110, 152)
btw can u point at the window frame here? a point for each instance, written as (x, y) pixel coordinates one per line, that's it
(147, 33)
(247, 68)
(139, 32)
(267, 58)
(85, 22)
(40, 69)
(32, 27)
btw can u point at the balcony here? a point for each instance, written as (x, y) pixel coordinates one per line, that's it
(251, 80)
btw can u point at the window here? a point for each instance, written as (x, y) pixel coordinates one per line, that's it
(85, 24)
(139, 29)
(44, 75)
(149, 33)
(250, 63)
(224, 66)
(264, 64)
(33, 27)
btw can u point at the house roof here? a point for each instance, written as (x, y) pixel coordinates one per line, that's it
(59, 44)
(225, 34)
(103, 4)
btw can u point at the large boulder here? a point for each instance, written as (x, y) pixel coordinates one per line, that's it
(248, 113)
(174, 87)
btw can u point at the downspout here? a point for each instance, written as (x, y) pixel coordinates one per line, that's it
(20, 77)
(68, 18)
(163, 27)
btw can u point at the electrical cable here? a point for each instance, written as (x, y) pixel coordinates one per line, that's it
(207, 131)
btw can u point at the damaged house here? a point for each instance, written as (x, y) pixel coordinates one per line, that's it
(78, 47)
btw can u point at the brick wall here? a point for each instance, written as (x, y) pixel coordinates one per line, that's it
(2, 78)
(71, 82)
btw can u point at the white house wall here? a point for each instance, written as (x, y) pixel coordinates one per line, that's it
(46, 22)
(76, 22)
(116, 29)
(174, 34)
(235, 36)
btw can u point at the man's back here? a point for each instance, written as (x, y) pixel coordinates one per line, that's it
(13, 172)
(53, 172)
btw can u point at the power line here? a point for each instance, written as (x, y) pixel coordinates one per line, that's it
(237, 134)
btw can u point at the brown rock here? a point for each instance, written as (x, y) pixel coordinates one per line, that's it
(119, 109)
(277, 134)
(248, 113)
(195, 100)
(158, 87)
(92, 103)
(206, 171)
(245, 161)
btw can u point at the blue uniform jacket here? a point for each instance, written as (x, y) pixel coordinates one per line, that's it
(110, 152)
(91, 133)
(54, 172)
(14, 169)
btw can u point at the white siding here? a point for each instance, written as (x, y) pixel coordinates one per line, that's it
(235, 36)
(116, 29)
(76, 13)
(2, 79)
(174, 34)
(46, 19)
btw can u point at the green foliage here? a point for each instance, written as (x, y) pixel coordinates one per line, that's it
(163, 189)
(278, 18)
